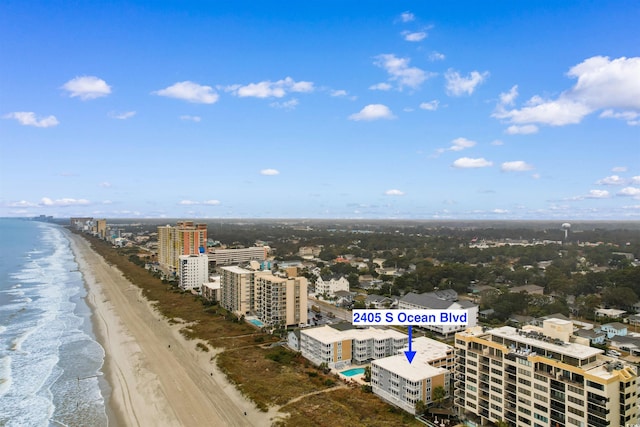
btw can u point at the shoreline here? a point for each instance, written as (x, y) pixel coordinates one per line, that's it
(156, 376)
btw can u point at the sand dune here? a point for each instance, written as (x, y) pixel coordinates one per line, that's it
(158, 377)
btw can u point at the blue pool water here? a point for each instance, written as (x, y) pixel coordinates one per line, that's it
(256, 322)
(352, 372)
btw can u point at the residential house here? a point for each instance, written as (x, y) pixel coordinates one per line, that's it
(329, 285)
(378, 301)
(595, 336)
(615, 329)
(429, 301)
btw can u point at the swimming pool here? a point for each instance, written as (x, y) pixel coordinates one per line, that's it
(352, 372)
(256, 322)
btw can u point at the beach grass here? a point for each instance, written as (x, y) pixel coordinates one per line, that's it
(346, 407)
(272, 376)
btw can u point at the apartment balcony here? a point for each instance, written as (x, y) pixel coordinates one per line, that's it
(597, 411)
(600, 401)
(597, 422)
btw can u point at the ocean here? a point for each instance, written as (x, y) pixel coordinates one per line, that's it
(50, 361)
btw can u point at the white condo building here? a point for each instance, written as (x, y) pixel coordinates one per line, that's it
(331, 284)
(436, 301)
(194, 271)
(403, 384)
(340, 348)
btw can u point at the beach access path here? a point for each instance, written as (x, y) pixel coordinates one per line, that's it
(158, 378)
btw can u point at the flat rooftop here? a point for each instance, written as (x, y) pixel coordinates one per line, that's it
(574, 350)
(418, 370)
(429, 350)
(327, 334)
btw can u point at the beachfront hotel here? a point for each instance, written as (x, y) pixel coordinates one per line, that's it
(186, 238)
(402, 384)
(340, 348)
(274, 300)
(280, 300)
(194, 271)
(237, 289)
(541, 377)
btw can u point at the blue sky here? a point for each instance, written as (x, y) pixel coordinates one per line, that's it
(327, 109)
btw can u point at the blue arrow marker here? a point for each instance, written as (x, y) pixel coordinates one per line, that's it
(410, 354)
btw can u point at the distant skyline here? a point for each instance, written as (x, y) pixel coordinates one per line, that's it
(334, 109)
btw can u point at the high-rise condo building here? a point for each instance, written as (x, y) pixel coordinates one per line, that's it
(275, 300)
(194, 271)
(541, 377)
(186, 238)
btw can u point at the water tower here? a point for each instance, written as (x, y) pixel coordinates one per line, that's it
(566, 227)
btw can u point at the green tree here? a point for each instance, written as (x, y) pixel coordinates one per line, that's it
(438, 395)
(367, 374)
(420, 407)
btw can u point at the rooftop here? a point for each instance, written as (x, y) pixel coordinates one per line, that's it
(530, 341)
(327, 334)
(418, 370)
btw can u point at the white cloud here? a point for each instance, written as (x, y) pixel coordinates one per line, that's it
(521, 130)
(64, 202)
(466, 163)
(630, 192)
(508, 98)
(635, 179)
(380, 86)
(500, 211)
(619, 169)
(430, 106)
(407, 17)
(195, 203)
(400, 72)
(555, 113)
(269, 89)
(516, 166)
(28, 118)
(190, 92)
(601, 84)
(286, 105)
(436, 56)
(22, 204)
(414, 37)
(339, 92)
(497, 142)
(460, 144)
(87, 87)
(394, 192)
(373, 112)
(458, 85)
(611, 180)
(269, 172)
(631, 117)
(122, 116)
(105, 184)
(598, 194)
(191, 118)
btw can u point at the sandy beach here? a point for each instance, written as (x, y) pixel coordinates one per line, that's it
(158, 378)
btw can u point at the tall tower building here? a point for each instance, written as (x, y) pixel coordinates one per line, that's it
(186, 238)
(539, 377)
